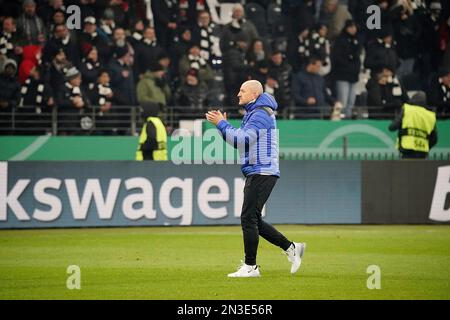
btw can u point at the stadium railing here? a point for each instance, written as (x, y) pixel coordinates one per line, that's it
(126, 120)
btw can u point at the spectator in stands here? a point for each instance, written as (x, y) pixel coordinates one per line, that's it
(35, 106)
(207, 35)
(320, 47)
(446, 59)
(122, 77)
(91, 36)
(165, 20)
(107, 24)
(407, 32)
(103, 96)
(153, 87)
(181, 45)
(334, 16)
(439, 92)
(381, 52)
(136, 34)
(192, 95)
(118, 10)
(147, 51)
(300, 16)
(299, 50)
(9, 40)
(64, 39)
(235, 68)
(57, 68)
(57, 19)
(279, 80)
(31, 58)
(193, 60)
(384, 90)
(170, 74)
(358, 10)
(47, 10)
(309, 90)
(433, 38)
(239, 26)
(388, 9)
(30, 28)
(346, 66)
(188, 11)
(120, 40)
(73, 103)
(260, 71)
(10, 88)
(37, 92)
(257, 52)
(90, 67)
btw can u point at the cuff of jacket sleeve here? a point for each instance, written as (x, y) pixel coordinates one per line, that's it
(222, 125)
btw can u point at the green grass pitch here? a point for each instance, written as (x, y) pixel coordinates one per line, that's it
(192, 263)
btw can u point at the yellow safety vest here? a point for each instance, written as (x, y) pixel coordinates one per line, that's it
(417, 125)
(161, 137)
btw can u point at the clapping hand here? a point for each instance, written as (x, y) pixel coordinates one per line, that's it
(215, 116)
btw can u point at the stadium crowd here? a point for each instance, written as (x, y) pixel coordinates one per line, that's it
(307, 53)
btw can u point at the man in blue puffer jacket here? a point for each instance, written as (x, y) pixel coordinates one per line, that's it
(257, 141)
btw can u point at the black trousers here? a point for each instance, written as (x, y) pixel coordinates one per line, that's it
(256, 192)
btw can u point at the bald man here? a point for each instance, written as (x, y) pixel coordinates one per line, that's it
(257, 141)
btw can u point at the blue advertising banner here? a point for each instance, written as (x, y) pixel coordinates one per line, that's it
(128, 193)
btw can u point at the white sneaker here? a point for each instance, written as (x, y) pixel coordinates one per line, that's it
(294, 254)
(245, 271)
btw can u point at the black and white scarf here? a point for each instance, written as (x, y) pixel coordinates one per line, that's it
(386, 45)
(108, 29)
(39, 89)
(319, 42)
(74, 91)
(303, 47)
(40, 27)
(137, 36)
(6, 46)
(86, 122)
(103, 92)
(148, 42)
(90, 65)
(207, 41)
(445, 91)
(196, 62)
(91, 36)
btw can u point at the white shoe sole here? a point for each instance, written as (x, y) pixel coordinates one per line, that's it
(252, 276)
(300, 254)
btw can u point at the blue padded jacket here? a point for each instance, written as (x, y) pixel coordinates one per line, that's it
(257, 138)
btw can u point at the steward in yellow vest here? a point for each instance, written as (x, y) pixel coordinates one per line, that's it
(416, 127)
(153, 138)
